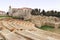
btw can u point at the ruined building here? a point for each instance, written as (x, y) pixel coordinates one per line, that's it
(2, 13)
(24, 13)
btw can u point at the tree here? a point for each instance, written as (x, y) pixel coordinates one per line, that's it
(58, 14)
(51, 13)
(55, 13)
(47, 13)
(43, 12)
(39, 11)
(36, 11)
(33, 12)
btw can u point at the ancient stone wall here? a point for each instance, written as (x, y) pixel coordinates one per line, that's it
(43, 20)
(20, 12)
(2, 13)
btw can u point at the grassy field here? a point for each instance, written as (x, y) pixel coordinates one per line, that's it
(4, 16)
(50, 28)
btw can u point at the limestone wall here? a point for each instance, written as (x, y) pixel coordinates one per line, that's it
(43, 20)
(20, 12)
(2, 13)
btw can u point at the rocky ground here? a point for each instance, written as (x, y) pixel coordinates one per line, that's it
(14, 29)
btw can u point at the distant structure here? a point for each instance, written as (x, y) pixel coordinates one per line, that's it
(24, 13)
(2, 13)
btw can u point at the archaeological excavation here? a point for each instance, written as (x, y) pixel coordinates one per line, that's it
(20, 24)
(12, 29)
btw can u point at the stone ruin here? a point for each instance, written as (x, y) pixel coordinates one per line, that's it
(3, 13)
(24, 13)
(23, 30)
(43, 20)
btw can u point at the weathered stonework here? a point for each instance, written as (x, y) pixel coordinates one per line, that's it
(23, 30)
(43, 20)
(39, 21)
(2, 13)
(20, 12)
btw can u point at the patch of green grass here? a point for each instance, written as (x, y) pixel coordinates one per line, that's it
(4, 16)
(15, 17)
(45, 27)
(28, 20)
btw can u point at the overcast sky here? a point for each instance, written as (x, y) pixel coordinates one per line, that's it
(42, 4)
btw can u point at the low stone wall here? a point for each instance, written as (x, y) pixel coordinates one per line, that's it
(43, 20)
